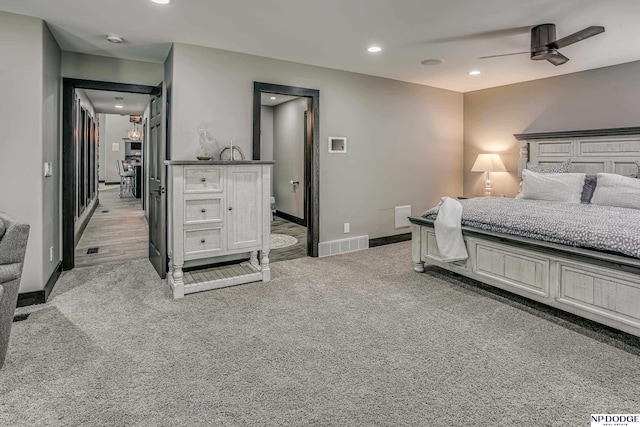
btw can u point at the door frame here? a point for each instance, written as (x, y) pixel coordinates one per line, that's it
(312, 153)
(69, 85)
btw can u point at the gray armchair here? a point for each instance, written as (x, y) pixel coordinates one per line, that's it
(13, 244)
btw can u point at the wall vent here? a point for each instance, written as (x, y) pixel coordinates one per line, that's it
(335, 247)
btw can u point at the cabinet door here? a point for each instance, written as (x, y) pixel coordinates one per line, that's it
(244, 208)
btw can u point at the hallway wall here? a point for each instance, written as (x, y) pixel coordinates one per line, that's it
(29, 117)
(288, 152)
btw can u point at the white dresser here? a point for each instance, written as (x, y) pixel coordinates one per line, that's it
(219, 212)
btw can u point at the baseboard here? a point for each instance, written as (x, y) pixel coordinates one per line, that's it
(387, 240)
(40, 297)
(291, 218)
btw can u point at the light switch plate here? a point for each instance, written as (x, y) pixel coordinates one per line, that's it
(401, 220)
(48, 169)
(115, 146)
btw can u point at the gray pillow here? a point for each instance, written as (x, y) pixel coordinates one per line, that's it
(617, 190)
(590, 182)
(559, 187)
(564, 167)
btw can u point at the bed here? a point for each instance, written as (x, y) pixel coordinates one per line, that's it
(600, 282)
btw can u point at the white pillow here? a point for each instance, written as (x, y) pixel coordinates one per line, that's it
(558, 187)
(617, 190)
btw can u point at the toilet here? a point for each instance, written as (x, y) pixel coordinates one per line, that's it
(273, 207)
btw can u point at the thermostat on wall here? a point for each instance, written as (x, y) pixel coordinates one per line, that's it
(337, 144)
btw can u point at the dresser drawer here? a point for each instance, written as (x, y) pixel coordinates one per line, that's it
(202, 179)
(203, 210)
(203, 241)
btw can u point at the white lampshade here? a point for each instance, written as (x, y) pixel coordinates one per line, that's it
(488, 163)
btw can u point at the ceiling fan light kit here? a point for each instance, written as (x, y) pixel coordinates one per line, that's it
(545, 46)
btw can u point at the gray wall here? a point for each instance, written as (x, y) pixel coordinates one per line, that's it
(93, 67)
(602, 98)
(116, 128)
(51, 152)
(29, 117)
(288, 152)
(405, 140)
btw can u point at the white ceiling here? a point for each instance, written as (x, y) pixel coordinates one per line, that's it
(105, 102)
(335, 33)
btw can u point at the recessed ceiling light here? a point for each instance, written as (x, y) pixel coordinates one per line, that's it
(114, 38)
(119, 106)
(273, 98)
(474, 72)
(374, 49)
(161, 1)
(432, 61)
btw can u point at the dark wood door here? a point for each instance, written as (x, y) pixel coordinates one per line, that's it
(157, 185)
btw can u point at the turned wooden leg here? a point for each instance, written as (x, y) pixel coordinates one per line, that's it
(266, 271)
(170, 255)
(178, 282)
(419, 267)
(254, 259)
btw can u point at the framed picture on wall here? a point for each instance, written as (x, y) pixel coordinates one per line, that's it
(337, 144)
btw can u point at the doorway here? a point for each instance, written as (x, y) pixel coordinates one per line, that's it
(117, 229)
(71, 229)
(302, 197)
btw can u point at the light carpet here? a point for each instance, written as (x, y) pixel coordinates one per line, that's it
(356, 339)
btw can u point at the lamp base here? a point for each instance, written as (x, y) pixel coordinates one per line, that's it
(488, 188)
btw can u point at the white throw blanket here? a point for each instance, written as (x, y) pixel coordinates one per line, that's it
(449, 231)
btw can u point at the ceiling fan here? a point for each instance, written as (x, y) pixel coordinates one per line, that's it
(545, 46)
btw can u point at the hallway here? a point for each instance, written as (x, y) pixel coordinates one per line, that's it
(118, 229)
(299, 250)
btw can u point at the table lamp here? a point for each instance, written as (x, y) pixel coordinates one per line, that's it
(488, 163)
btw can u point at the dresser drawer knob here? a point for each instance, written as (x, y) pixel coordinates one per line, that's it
(203, 210)
(202, 241)
(203, 179)
(230, 208)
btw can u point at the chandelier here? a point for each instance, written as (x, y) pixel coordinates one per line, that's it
(135, 134)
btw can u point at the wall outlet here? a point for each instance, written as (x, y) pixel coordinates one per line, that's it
(51, 254)
(346, 227)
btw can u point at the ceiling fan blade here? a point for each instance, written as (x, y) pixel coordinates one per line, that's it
(557, 58)
(576, 37)
(504, 54)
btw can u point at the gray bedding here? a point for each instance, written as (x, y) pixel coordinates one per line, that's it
(603, 228)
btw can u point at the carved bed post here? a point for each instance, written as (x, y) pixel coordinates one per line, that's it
(524, 156)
